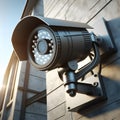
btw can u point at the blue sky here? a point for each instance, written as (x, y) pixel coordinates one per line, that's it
(10, 13)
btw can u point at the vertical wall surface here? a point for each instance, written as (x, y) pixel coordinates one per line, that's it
(87, 11)
(33, 110)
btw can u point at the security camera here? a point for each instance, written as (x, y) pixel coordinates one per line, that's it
(51, 43)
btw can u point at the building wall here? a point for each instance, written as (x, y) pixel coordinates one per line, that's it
(36, 82)
(87, 11)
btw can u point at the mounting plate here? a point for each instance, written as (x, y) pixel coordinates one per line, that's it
(84, 101)
(103, 31)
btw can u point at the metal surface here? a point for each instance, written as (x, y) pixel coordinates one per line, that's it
(70, 77)
(83, 101)
(91, 65)
(89, 89)
(70, 83)
(63, 23)
(28, 24)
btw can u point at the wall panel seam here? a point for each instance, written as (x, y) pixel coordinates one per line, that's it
(99, 11)
(56, 106)
(55, 89)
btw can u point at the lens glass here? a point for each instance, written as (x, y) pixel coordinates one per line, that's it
(42, 47)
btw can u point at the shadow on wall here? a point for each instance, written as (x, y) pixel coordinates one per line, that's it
(112, 103)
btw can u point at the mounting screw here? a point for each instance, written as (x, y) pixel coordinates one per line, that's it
(69, 108)
(95, 75)
(72, 93)
(95, 84)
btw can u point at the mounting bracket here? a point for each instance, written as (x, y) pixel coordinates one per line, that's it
(90, 92)
(87, 94)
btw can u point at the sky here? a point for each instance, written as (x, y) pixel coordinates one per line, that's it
(10, 14)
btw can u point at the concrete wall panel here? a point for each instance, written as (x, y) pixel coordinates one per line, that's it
(53, 81)
(36, 83)
(37, 73)
(37, 108)
(55, 98)
(30, 116)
